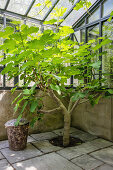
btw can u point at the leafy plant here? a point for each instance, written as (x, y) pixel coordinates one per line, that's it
(48, 60)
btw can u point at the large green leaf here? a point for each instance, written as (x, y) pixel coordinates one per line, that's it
(78, 95)
(33, 106)
(110, 91)
(24, 106)
(56, 88)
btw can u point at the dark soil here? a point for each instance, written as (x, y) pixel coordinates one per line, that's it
(58, 141)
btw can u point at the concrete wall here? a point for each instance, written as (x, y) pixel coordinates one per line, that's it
(97, 120)
(49, 122)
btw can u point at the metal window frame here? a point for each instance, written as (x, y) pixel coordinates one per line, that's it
(76, 26)
(100, 21)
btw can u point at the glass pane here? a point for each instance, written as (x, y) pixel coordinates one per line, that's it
(1, 80)
(1, 39)
(94, 16)
(9, 83)
(77, 36)
(107, 7)
(9, 20)
(107, 59)
(62, 3)
(82, 24)
(93, 33)
(40, 11)
(80, 35)
(19, 6)
(75, 15)
(2, 3)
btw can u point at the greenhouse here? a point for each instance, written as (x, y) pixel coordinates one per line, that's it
(56, 84)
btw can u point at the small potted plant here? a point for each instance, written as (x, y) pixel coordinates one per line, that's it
(17, 134)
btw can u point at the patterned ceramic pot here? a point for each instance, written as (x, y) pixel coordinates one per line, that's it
(17, 135)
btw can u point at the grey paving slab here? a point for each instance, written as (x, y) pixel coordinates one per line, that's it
(50, 161)
(104, 167)
(4, 144)
(73, 152)
(84, 136)
(101, 143)
(46, 146)
(30, 139)
(60, 131)
(4, 165)
(105, 155)
(16, 156)
(1, 156)
(87, 162)
(112, 146)
(44, 136)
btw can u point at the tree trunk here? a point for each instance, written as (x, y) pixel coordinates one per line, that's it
(66, 134)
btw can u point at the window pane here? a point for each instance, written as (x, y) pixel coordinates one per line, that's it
(9, 83)
(94, 16)
(107, 7)
(1, 39)
(40, 11)
(75, 15)
(77, 35)
(62, 3)
(80, 35)
(107, 59)
(19, 6)
(93, 33)
(2, 3)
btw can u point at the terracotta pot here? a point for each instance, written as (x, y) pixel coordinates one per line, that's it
(17, 135)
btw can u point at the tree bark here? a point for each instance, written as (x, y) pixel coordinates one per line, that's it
(66, 133)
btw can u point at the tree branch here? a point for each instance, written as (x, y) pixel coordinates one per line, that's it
(74, 106)
(51, 111)
(57, 100)
(70, 105)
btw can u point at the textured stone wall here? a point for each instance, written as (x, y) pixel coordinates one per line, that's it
(48, 123)
(97, 120)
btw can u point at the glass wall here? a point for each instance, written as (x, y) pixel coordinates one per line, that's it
(97, 25)
(107, 59)
(107, 7)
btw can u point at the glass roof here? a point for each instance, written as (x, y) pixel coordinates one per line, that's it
(37, 10)
(40, 11)
(19, 6)
(62, 3)
(75, 15)
(2, 3)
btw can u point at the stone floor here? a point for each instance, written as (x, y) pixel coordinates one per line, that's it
(94, 154)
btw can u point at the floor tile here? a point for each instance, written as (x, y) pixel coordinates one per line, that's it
(72, 130)
(50, 161)
(16, 156)
(46, 146)
(101, 143)
(4, 144)
(106, 155)
(104, 167)
(84, 136)
(44, 136)
(73, 152)
(1, 156)
(4, 165)
(87, 162)
(30, 139)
